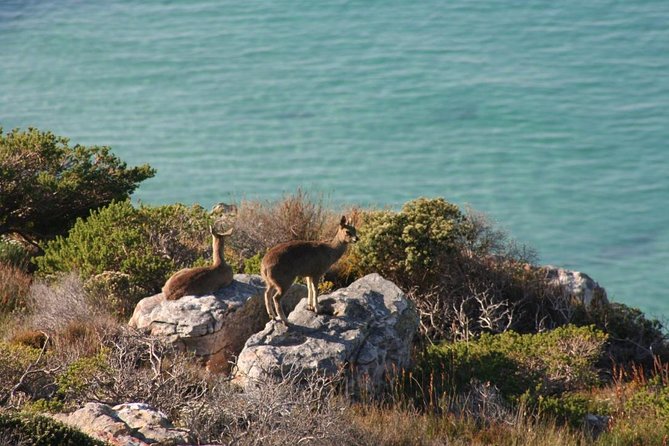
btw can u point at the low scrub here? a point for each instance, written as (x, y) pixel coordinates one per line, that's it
(465, 276)
(518, 365)
(633, 337)
(144, 245)
(38, 430)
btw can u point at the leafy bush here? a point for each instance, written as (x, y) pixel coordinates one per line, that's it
(537, 364)
(83, 373)
(147, 244)
(411, 244)
(252, 264)
(38, 430)
(464, 276)
(46, 184)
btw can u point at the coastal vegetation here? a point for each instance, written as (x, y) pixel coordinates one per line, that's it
(502, 356)
(47, 184)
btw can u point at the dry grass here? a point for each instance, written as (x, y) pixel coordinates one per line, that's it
(29, 338)
(408, 427)
(300, 216)
(296, 410)
(14, 288)
(64, 310)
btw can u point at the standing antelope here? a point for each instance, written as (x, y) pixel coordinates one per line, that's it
(308, 259)
(205, 279)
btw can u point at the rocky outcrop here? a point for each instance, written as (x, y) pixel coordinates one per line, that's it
(577, 286)
(366, 328)
(126, 424)
(216, 326)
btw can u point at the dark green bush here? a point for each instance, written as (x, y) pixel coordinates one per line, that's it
(535, 364)
(46, 184)
(633, 337)
(37, 430)
(147, 244)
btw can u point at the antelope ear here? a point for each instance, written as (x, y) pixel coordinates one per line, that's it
(343, 222)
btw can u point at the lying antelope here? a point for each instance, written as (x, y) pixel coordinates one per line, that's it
(205, 279)
(308, 259)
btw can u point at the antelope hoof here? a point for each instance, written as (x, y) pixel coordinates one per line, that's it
(310, 307)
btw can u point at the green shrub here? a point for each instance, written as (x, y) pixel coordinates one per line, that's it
(411, 243)
(37, 430)
(534, 364)
(641, 415)
(14, 254)
(113, 291)
(79, 375)
(252, 264)
(464, 276)
(147, 244)
(46, 184)
(44, 406)
(652, 399)
(571, 408)
(15, 359)
(634, 338)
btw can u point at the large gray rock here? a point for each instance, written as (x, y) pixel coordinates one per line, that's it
(577, 286)
(214, 327)
(126, 424)
(366, 328)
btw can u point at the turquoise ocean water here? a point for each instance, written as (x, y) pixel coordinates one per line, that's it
(550, 117)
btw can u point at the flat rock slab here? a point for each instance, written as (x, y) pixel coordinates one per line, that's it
(213, 326)
(366, 328)
(126, 424)
(577, 286)
(194, 316)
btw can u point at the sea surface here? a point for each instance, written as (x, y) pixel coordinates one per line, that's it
(551, 117)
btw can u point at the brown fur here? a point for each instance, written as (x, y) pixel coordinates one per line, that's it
(204, 279)
(287, 261)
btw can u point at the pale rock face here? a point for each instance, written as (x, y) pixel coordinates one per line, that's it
(580, 287)
(126, 424)
(367, 328)
(213, 326)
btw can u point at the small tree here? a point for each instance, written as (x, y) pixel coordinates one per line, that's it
(45, 184)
